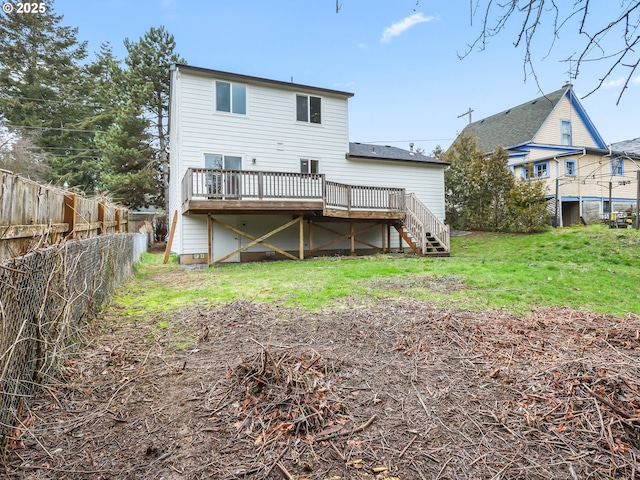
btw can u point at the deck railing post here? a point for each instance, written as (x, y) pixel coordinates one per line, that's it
(260, 185)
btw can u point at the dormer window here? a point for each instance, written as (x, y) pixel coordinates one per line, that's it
(565, 130)
(308, 109)
(231, 98)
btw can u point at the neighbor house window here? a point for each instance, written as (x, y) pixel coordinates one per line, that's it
(570, 168)
(617, 166)
(541, 170)
(308, 166)
(308, 108)
(537, 170)
(565, 128)
(231, 97)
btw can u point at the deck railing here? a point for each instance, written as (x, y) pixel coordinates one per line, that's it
(204, 183)
(210, 184)
(352, 197)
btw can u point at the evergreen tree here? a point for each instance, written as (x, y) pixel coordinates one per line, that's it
(130, 169)
(527, 207)
(481, 192)
(42, 89)
(147, 77)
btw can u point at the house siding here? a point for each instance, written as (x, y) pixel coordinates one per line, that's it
(550, 133)
(268, 132)
(269, 138)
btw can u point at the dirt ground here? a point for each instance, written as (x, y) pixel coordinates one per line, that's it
(396, 391)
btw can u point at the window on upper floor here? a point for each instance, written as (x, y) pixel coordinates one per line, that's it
(565, 130)
(617, 166)
(537, 170)
(308, 109)
(309, 166)
(231, 98)
(570, 168)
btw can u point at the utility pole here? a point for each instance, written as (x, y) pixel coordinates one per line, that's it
(468, 112)
(638, 200)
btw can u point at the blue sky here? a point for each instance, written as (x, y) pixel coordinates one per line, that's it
(399, 57)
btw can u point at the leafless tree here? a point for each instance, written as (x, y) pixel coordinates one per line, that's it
(20, 155)
(612, 40)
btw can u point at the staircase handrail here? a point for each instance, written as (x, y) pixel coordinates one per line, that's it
(420, 221)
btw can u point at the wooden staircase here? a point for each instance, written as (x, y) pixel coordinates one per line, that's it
(425, 233)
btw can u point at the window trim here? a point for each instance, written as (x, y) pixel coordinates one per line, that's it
(566, 123)
(533, 171)
(232, 86)
(313, 164)
(566, 168)
(617, 167)
(309, 113)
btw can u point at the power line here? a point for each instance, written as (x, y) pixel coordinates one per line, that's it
(61, 129)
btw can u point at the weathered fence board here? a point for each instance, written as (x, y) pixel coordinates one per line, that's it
(34, 216)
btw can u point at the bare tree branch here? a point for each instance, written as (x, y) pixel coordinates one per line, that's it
(559, 16)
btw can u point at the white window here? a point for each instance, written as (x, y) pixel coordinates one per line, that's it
(308, 109)
(231, 97)
(565, 128)
(308, 166)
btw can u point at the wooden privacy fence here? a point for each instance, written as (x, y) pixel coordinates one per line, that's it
(34, 215)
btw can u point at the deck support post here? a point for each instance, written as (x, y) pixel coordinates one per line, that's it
(352, 237)
(301, 238)
(209, 240)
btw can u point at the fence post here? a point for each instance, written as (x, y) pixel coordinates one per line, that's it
(102, 229)
(70, 213)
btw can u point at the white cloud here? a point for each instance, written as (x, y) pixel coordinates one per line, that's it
(403, 25)
(617, 82)
(636, 80)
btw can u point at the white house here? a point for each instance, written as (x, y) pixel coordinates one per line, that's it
(262, 168)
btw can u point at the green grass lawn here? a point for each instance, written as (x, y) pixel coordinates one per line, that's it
(590, 268)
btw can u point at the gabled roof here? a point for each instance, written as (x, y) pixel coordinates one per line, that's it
(519, 125)
(627, 147)
(249, 79)
(387, 152)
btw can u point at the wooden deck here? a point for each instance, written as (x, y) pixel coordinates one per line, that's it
(310, 197)
(207, 191)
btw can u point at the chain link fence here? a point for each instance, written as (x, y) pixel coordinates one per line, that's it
(46, 297)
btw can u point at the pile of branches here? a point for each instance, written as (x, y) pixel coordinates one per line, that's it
(283, 402)
(285, 393)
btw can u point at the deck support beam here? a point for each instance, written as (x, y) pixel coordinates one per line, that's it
(352, 236)
(261, 239)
